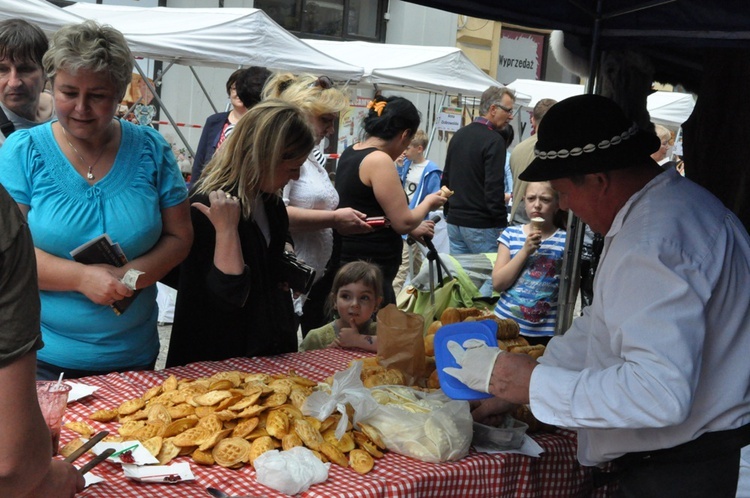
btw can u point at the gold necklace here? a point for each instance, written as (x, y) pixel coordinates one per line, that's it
(90, 173)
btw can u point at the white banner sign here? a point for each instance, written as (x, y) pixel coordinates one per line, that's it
(449, 118)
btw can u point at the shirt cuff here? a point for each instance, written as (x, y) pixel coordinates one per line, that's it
(550, 394)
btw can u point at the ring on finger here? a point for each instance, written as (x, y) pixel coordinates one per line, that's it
(229, 196)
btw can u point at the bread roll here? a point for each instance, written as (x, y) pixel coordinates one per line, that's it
(429, 345)
(445, 191)
(506, 344)
(450, 315)
(434, 326)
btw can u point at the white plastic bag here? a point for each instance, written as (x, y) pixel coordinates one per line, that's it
(292, 471)
(347, 388)
(428, 426)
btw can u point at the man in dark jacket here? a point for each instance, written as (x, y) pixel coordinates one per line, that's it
(474, 170)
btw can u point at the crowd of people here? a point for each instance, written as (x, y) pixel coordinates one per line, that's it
(651, 376)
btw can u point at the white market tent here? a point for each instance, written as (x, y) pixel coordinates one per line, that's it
(416, 67)
(669, 109)
(218, 37)
(43, 14)
(438, 70)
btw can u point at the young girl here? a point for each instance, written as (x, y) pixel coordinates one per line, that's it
(356, 295)
(527, 269)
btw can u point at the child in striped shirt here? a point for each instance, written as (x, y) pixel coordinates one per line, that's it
(528, 266)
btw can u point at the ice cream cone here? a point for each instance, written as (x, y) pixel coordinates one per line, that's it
(536, 223)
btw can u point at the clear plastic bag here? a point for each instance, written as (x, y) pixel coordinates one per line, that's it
(347, 388)
(428, 426)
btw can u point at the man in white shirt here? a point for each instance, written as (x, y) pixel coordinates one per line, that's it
(654, 376)
(23, 103)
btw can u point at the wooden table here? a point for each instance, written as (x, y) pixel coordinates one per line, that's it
(555, 474)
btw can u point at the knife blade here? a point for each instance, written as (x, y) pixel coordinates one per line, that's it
(97, 460)
(86, 446)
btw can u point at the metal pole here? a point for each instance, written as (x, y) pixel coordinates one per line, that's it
(434, 124)
(166, 112)
(571, 273)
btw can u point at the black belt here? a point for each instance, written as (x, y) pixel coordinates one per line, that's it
(704, 447)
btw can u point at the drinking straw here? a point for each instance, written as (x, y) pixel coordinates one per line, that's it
(59, 381)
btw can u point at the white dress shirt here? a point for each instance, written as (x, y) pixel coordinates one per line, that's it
(660, 357)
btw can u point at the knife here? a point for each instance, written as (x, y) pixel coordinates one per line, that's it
(86, 446)
(97, 460)
(217, 493)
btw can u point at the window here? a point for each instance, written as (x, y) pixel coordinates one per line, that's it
(334, 19)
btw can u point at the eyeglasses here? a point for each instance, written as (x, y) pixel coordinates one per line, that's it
(509, 110)
(323, 82)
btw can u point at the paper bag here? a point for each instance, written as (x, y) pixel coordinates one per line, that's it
(401, 343)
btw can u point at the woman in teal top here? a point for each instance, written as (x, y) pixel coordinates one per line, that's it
(87, 175)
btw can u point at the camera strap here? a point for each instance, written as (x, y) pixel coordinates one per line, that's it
(6, 125)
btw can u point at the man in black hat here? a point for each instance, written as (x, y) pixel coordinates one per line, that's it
(654, 376)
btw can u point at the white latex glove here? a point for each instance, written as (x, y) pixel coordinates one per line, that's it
(477, 360)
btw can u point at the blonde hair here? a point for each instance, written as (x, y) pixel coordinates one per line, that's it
(305, 92)
(269, 133)
(93, 47)
(420, 139)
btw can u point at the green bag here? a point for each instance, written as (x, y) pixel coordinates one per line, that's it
(447, 294)
(458, 290)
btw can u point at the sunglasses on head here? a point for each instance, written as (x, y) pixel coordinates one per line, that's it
(323, 82)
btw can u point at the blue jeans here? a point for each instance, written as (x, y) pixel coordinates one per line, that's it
(465, 240)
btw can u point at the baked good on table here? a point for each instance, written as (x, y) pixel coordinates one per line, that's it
(231, 418)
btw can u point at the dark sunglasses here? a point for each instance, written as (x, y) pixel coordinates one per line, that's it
(323, 82)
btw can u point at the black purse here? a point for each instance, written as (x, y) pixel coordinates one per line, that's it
(300, 276)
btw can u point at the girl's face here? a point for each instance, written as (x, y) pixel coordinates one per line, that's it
(356, 301)
(541, 201)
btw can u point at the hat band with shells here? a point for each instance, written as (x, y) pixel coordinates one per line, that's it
(577, 151)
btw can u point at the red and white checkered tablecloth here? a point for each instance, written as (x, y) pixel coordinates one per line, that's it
(555, 474)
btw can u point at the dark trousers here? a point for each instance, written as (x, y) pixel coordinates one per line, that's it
(706, 467)
(704, 478)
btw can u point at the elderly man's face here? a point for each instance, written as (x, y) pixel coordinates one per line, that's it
(501, 113)
(585, 200)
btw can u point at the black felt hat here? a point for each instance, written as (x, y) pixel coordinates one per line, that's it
(587, 134)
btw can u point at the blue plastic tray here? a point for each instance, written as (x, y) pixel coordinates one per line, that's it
(485, 330)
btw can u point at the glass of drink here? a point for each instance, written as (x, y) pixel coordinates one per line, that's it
(53, 398)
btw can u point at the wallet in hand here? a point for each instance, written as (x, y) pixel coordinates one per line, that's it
(298, 275)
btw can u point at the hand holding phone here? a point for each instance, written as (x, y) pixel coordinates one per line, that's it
(377, 221)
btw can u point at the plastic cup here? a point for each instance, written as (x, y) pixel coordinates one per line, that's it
(53, 398)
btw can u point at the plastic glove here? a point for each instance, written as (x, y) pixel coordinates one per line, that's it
(476, 359)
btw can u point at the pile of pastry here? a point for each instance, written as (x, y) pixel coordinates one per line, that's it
(230, 419)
